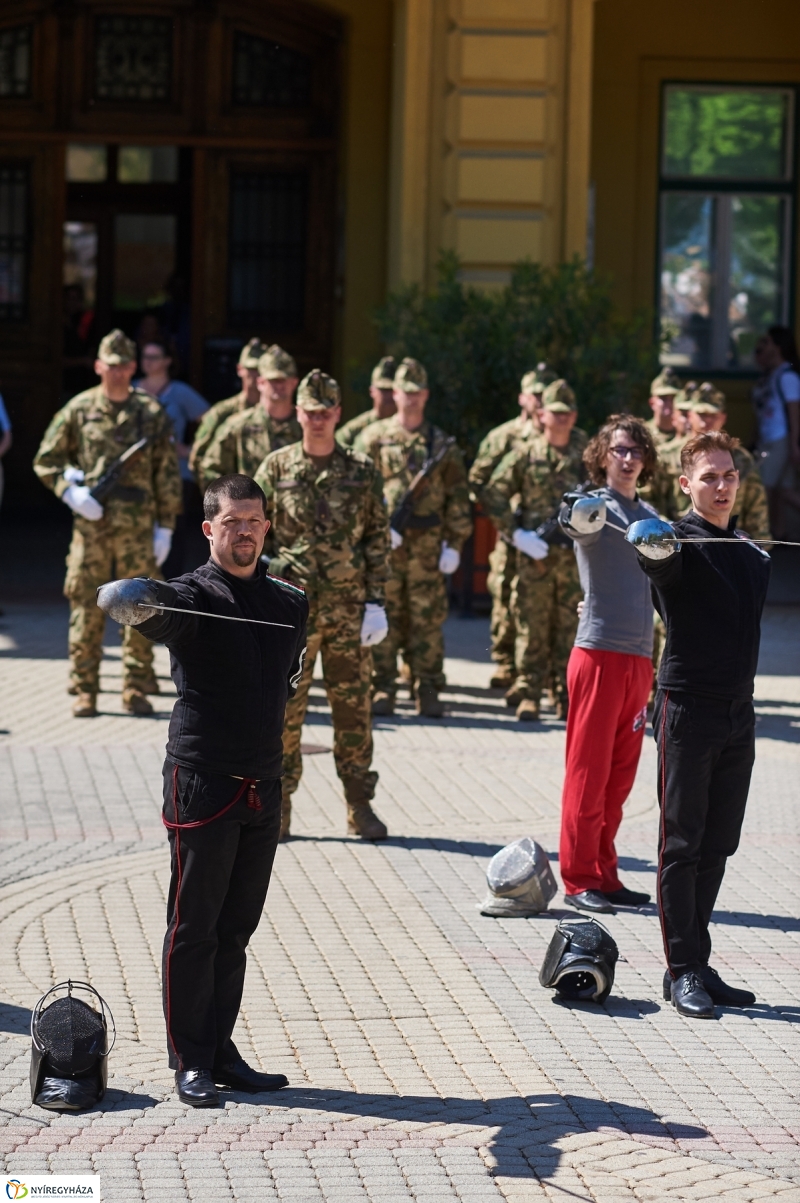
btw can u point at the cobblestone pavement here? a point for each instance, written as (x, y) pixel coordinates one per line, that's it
(425, 1060)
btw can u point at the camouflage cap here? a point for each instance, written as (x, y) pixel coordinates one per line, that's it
(708, 400)
(318, 391)
(683, 399)
(411, 376)
(537, 380)
(116, 348)
(251, 353)
(276, 364)
(559, 398)
(383, 372)
(666, 384)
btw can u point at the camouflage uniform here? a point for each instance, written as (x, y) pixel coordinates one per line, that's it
(219, 413)
(502, 558)
(88, 433)
(545, 593)
(416, 597)
(331, 537)
(247, 438)
(382, 377)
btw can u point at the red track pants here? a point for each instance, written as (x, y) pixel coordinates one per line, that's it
(605, 728)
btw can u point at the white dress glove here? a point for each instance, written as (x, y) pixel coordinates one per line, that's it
(529, 543)
(80, 501)
(375, 625)
(162, 542)
(395, 537)
(449, 560)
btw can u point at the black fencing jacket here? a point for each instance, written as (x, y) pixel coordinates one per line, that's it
(233, 678)
(711, 598)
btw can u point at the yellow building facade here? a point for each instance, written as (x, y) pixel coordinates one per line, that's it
(298, 160)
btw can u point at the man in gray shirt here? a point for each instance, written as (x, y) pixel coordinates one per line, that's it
(610, 669)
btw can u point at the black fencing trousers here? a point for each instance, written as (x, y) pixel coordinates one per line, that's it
(706, 749)
(223, 833)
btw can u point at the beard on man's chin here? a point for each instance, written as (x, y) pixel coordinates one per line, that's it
(244, 554)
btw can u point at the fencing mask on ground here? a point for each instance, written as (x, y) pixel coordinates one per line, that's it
(579, 964)
(520, 881)
(69, 1055)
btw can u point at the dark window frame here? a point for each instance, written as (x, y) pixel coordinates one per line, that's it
(138, 103)
(238, 42)
(29, 29)
(14, 313)
(722, 185)
(240, 252)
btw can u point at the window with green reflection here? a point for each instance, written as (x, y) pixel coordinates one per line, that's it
(725, 220)
(739, 133)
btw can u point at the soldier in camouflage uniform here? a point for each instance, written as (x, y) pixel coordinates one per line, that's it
(708, 414)
(247, 371)
(429, 547)
(525, 491)
(502, 558)
(245, 439)
(130, 533)
(381, 390)
(331, 537)
(663, 391)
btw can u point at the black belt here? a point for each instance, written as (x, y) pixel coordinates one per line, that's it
(423, 522)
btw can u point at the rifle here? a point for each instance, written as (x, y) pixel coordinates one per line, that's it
(403, 515)
(108, 484)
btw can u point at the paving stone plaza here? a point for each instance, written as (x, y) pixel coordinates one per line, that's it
(425, 1061)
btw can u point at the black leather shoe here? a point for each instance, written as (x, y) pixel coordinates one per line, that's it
(590, 900)
(690, 997)
(721, 993)
(625, 897)
(238, 1075)
(196, 1087)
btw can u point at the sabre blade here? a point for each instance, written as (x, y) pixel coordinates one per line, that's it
(207, 614)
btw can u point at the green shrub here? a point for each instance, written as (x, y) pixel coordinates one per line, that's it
(477, 345)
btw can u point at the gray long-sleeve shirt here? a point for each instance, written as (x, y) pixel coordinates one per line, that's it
(617, 610)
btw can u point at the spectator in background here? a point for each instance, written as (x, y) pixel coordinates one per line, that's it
(5, 440)
(185, 407)
(777, 403)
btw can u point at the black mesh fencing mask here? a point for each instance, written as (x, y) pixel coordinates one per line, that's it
(69, 1054)
(579, 963)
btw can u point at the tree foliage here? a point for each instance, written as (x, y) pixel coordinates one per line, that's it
(477, 345)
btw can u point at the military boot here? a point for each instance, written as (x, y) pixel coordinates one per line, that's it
(528, 711)
(362, 821)
(503, 677)
(407, 678)
(382, 703)
(429, 704)
(73, 690)
(135, 702)
(150, 684)
(85, 705)
(513, 697)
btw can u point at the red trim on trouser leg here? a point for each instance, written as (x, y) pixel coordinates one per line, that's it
(253, 801)
(663, 752)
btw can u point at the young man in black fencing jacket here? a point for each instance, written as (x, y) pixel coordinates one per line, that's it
(711, 597)
(222, 788)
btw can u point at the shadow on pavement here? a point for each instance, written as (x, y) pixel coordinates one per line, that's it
(783, 923)
(14, 1019)
(518, 1120)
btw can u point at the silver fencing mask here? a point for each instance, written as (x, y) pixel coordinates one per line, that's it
(520, 881)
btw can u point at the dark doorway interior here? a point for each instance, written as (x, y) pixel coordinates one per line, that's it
(127, 252)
